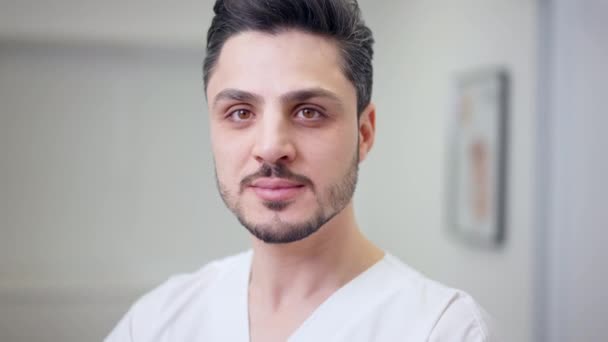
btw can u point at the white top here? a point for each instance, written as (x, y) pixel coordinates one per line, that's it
(388, 302)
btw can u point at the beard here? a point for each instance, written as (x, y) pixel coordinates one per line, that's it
(330, 202)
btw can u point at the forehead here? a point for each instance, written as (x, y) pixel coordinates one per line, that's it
(274, 64)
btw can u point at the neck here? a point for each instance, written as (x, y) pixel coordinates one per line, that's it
(313, 267)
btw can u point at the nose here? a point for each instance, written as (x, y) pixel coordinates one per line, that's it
(274, 141)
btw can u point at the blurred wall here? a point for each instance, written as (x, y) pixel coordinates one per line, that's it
(421, 45)
(107, 183)
(574, 169)
(107, 179)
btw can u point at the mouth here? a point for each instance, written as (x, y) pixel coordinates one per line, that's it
(275, 190)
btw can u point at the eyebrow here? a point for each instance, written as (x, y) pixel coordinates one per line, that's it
(236, 95)
(307, 94)
(299, 95)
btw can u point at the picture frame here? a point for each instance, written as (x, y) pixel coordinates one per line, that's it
(477, 163)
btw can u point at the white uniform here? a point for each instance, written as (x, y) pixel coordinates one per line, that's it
(388, 302)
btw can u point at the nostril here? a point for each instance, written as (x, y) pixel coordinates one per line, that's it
(274, 151)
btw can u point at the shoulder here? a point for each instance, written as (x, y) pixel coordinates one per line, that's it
(462, 320)
(182, 287)
(156, 309)
(447, 314)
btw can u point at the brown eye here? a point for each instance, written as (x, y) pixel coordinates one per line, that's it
(309, 114)
(241, 115)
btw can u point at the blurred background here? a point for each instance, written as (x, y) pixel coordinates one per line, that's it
(106, 176)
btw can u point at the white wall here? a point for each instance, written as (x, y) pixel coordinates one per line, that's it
(576, 276)
(181, 23)
(420, 46)
(107, 176)
(107, 184)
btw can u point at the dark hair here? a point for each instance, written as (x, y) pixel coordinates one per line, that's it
(339, 20)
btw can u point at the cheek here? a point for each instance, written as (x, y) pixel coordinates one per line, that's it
(332, 152)
(229, 155)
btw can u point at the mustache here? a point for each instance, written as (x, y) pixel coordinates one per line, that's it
(276, 171)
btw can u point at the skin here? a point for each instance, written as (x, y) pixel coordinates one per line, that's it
(283, 99)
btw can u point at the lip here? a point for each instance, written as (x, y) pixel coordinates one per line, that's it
(270, 189)
(274, 183)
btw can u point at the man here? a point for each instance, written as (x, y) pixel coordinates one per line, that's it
(288, 85)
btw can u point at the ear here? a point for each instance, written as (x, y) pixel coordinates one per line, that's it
(367, 130)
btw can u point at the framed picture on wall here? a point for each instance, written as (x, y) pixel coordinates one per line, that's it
(477, 157)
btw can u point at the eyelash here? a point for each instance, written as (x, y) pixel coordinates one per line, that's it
(232, 115)
(320, 114)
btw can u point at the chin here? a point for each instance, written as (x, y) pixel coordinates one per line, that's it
(283, 228)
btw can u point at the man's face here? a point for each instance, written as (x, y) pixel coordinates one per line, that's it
(284, 132)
